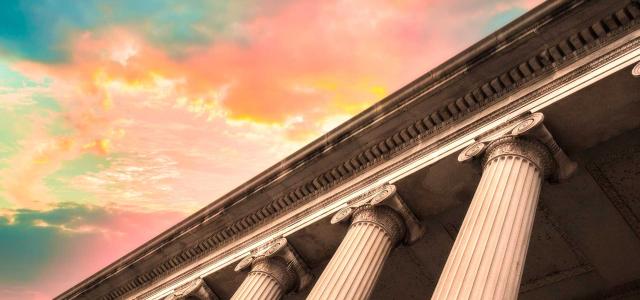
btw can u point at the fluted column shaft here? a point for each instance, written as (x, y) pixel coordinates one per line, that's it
(354, 268)
(269, 279)
(487, 258)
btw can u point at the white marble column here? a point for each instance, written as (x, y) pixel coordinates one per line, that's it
(357, 263)
(488, 256)
(276, 269)
(374, 231)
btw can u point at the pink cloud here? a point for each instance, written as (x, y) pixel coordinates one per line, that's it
(340, 57)
(179, 132)
(301, 70)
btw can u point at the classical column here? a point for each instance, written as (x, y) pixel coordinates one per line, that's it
(487, 258)
(276, 269)
(375, 229)
(196, 289)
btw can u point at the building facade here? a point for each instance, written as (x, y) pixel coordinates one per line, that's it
(510, 171)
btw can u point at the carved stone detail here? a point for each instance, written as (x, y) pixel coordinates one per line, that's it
(280, 261)
(195, 289)
(532, 126)
(636, 70)
(276, 268)
(244, 263)
(530, 139)
(342, 215)
(526, 148)
(383, 216)
(385, 196)
(527, 124)
(472, 151)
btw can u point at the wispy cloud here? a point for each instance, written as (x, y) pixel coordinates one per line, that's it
(121, 114)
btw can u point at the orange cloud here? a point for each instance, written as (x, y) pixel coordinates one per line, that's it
(299, 81)
(346, 57)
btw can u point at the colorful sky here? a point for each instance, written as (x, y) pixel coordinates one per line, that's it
(120, 118)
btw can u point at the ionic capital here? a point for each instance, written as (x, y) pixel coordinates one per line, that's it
(280, 261)
(276, 268)
(524, 147)
(530, 139)
(196, 289)
(385, 208)
(382, 216)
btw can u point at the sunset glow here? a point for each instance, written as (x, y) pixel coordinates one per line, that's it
(120, 118)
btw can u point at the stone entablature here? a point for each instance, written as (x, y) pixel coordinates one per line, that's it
(576, 45)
